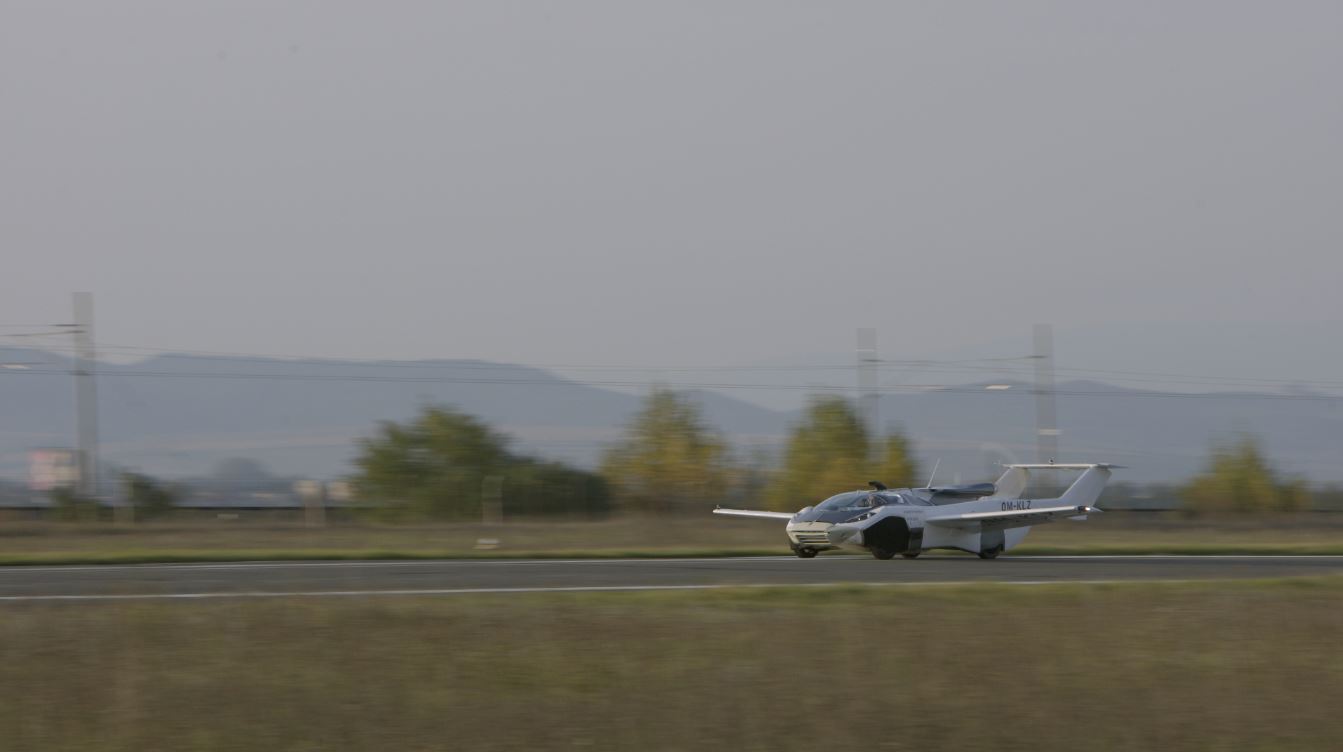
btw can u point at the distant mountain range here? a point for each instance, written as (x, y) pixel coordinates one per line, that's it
(176, 415)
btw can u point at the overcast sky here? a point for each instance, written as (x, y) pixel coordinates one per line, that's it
(681, 182)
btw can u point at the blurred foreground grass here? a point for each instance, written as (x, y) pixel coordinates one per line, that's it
(209, 540)
(1224, 665)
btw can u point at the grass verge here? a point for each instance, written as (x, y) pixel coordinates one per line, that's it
(157, 556)
(1178, 666)
(204, 541)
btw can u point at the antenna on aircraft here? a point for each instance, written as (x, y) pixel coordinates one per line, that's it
(934, 473)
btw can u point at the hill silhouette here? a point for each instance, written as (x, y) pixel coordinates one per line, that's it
(179, 415)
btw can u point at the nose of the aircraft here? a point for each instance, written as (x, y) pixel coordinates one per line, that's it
(823, 515)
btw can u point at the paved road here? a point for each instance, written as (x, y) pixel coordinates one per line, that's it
(448, 577)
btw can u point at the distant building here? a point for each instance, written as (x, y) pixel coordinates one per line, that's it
(52, 468)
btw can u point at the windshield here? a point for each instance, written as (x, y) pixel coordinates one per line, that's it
(869, 499)
(852, 500)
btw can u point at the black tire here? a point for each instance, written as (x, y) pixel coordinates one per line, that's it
(991, 553)
(882, 553)
(910, 556)
(805, 553)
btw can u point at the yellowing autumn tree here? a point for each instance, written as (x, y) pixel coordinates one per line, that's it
(830, 451)
(1240, 479)
(668, 461)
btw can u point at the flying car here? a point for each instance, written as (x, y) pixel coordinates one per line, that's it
(982, 518)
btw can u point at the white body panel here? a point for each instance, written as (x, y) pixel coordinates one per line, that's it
(991, 524)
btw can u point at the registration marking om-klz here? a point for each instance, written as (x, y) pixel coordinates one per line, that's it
(1015, 505)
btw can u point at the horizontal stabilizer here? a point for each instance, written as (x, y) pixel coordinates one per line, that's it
(1084, 491)
(753, 513)
(1071, 466)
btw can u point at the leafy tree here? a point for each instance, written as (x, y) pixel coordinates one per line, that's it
(149, 497)
(67, 505)
(669, 460)
(433, 467)
(534, 487)
(1240, 479)
(830, 451)
(895, 466)
(438, 466)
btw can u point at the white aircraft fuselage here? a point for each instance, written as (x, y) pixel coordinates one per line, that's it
(985, 519)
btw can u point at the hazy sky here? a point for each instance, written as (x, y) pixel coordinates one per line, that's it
(681, 182)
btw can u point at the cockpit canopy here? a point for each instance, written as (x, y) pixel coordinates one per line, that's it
(868, 500)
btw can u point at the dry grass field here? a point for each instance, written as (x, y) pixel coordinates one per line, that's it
(46, 542)
(1216, 666)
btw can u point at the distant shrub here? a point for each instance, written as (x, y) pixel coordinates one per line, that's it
(149, 497)
(1239, 479)
(447, 465)
(68, 506)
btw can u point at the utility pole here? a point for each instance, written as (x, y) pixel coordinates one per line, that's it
(86, 395)
(869, 399)
(1046, 416)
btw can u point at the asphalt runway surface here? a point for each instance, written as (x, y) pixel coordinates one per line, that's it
(369, 578)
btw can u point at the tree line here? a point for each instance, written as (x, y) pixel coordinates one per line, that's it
(444, 464)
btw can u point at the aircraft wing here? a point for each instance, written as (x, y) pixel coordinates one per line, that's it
(753, 513)
(1009, 518)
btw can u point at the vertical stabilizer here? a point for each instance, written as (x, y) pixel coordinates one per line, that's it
(1086, 489)
(1012, 484)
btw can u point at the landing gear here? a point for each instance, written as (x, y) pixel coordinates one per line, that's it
(910, 556)
(991, 553)
(883, 553)
(805, 553)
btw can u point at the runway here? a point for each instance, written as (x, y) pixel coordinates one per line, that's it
(453, 577)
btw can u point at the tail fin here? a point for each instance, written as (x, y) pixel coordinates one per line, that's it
(1012, 484)
(1086, 489)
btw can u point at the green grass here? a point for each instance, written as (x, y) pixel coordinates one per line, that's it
(1206, 666)
(24, 543)
(170, 556)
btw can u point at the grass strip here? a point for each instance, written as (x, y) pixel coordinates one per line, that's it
(1231, 666)
(181, 556)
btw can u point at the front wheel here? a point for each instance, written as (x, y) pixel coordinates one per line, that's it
(805, 553)
(991, 553)
(882, 553)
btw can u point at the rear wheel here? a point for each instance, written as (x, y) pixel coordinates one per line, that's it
(910, 556)
(883, 553)
(990, 553)
(805, 553)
